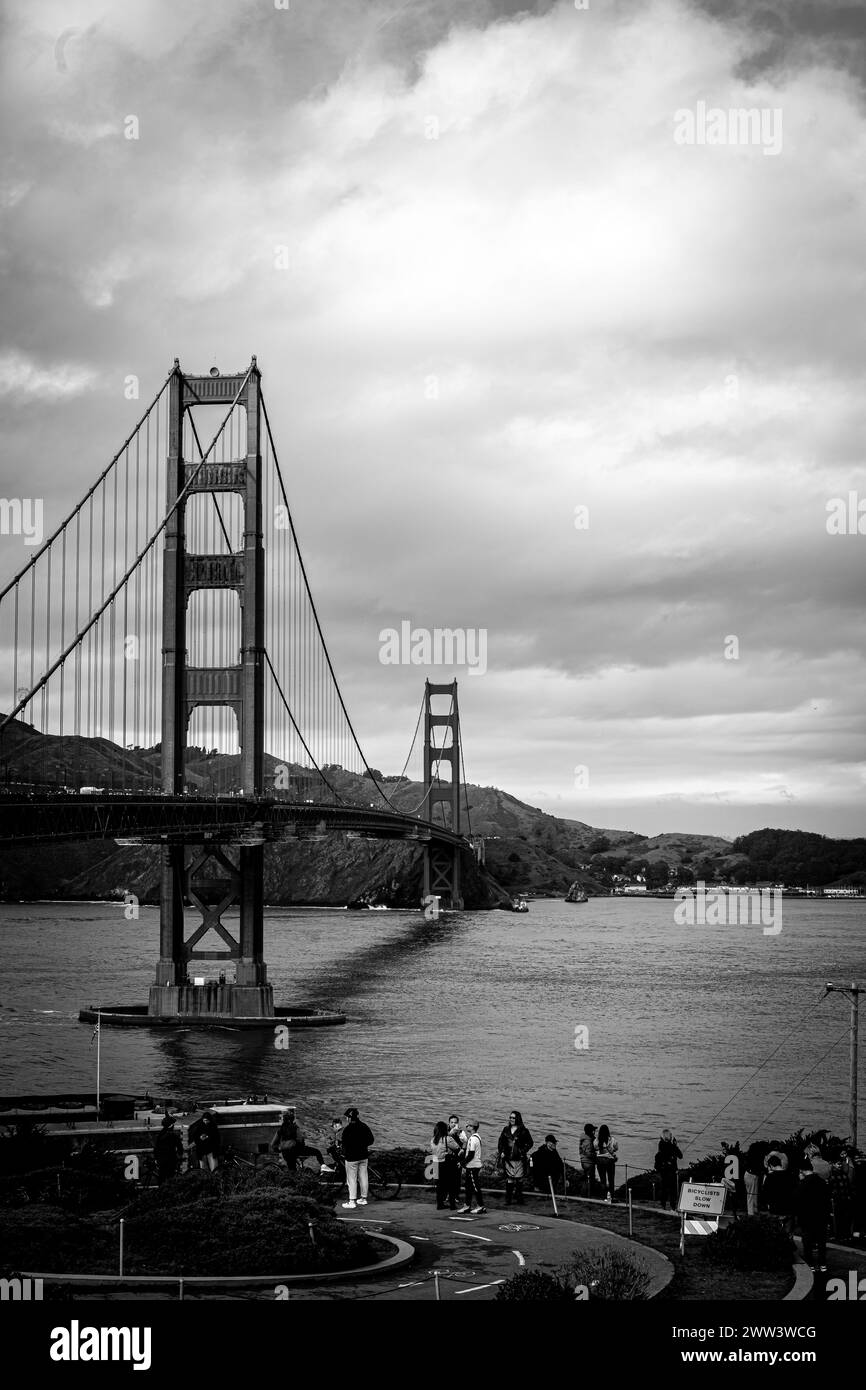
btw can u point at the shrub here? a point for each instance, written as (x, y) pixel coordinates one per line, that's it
(255, 1232)
(43, 1237)
(754, 1243)
(24, 1146)
(534, 1286)
(197, 1185)
(189, 1227)
(644, 1187)
(609, 1273)
(79, 1189)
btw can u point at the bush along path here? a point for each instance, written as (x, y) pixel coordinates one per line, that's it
(196, 1224)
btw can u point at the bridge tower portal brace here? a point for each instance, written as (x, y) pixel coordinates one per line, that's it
(215, 877)
(442, 862)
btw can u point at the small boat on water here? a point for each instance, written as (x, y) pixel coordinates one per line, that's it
(519, 904)
(576, 894)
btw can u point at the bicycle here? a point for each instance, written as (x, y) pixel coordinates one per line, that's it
(382, 1187)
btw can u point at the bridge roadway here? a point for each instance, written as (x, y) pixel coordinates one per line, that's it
(31, 818)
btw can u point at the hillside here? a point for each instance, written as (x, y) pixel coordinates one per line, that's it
(527, 849)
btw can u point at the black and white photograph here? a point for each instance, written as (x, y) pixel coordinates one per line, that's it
(432, 680)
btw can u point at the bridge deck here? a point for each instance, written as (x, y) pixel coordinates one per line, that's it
(156, 819)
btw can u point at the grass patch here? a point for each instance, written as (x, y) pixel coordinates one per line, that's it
(697, 1276)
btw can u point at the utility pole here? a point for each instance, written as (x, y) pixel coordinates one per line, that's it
(852, 994)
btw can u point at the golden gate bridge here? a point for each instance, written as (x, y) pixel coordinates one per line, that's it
(166, 629)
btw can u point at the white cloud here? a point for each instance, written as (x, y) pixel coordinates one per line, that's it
(23, 378)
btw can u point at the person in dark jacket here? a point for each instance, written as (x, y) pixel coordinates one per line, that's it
(290, 1143)
(167, 1150)
(204, 1138)
(287, 1140)
(445, 1147)
(779, 1192)
(357, 1142)
(335, 1148)
(667, 1154)
(734, 1177)
(840, 1197)
(812, 1203)
(842, 1193)
(547, 1164)
(753, 1172)
(515, 1142)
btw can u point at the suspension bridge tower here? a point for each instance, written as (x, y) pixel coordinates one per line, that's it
(442, 861)
(213, 876)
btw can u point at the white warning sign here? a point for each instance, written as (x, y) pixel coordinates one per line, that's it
(702, 1198)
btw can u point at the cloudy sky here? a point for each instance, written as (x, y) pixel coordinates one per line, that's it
(508, 294)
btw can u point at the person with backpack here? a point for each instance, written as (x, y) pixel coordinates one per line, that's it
(606, 1149)
(515, 1142)
(667, 1154)
(357, 1140)
(472, 1169)
(168, 1151)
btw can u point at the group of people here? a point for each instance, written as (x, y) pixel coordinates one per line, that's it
(457, 1153)
(204, 1145)
(348, 1151)
(598, 1156)
(811, 1191)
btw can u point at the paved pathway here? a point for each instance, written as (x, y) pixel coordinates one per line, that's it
(474, 1254)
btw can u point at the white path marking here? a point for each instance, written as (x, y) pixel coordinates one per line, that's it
(414, 1285)
(476, 1287)
(469, 1235)
(520, 1260)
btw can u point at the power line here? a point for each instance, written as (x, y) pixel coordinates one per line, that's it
(799, 1083)
(751, 1078)
(314, 611)
(181, 498)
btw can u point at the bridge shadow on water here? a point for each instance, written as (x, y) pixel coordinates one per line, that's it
(357, 973)
(206, 1063)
